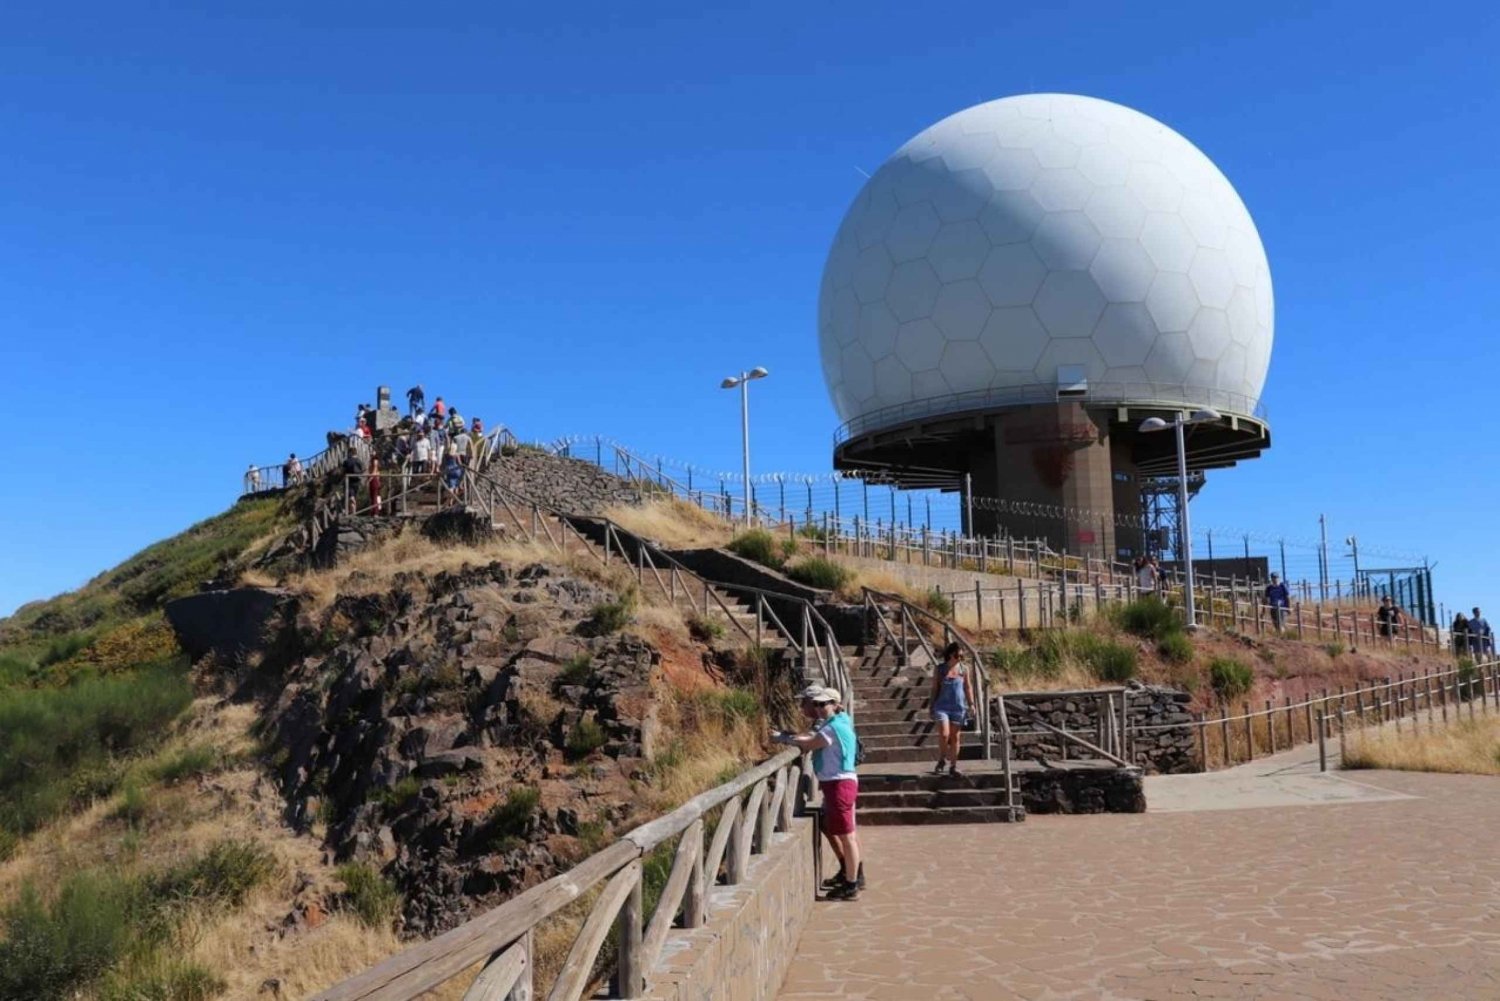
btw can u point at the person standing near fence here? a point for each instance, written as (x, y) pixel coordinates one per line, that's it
(1481, 640)
(1145, 576)
(1459, 634)
(835, 750)
(252, 479)
(952, 700)
(416, 400)
(1389, 617)
(1278, 599)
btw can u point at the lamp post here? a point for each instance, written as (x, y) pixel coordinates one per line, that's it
(743, 382)
(1184, 534)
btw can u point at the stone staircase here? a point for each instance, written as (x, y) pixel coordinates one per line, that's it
(896, 784)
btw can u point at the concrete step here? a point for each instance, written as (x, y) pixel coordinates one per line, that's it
(900, 703)
(875, 783)
(865, 717)
(889, 755)
(933, 799)
(868, 728)
(912, 816)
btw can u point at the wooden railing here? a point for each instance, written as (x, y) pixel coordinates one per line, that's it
(1227, 739)
(759, 803)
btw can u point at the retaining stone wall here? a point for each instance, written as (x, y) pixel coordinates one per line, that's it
(572, 486)
(1167, 751)
(750, 941)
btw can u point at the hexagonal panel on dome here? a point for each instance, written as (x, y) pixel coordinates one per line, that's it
(1211, 277)
(1014, 338)
(1069, 304)
(1125, 334)
(961, 311)
(913, 290)
(1166, 238)
(1012, 274)
(964, 198)
(959, 250)
(872, 273)
(1066, 241)
(912, 231)
(1122, 270)
(1041, 230)
(1172, 301)
(965, 366)
(1061, 189)
(919, 345)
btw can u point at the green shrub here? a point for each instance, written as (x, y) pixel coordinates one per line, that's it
(585, 738)
(1230, 678)
(49, 736)
(163, 978)
(1333, 649)
(728, 705)
(939, 604)
(369, 895)
(1148, 617)
(611, 616)
(190, 762)
(51, 948)
(225, 873)
(402, 792)
(705, 630)
(1112, 662)
(757, 545)
(576, 671)
(133, 805)
(512, 819)
(820, 572)
(61, 648)
(1175, 648)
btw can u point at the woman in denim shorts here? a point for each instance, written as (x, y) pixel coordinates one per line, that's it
(952, 702)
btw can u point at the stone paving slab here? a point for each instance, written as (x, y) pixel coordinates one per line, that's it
(1394, 898)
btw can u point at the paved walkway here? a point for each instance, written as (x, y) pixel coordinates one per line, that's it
(1363, 886)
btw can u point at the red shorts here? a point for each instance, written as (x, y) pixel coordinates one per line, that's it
(838, 805)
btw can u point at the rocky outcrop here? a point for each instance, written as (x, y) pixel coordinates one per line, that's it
(1160, 738)
(553, 481)
(235, 625)
(465, 733)
(351, 533)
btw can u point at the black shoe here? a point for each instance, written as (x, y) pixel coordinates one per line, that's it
(937, 769)
(954, 772)
(834, 882)
(859, 880)
(844, 891)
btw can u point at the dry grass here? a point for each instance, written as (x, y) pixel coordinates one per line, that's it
(1468, 747)
(673, 523)
(703, 749)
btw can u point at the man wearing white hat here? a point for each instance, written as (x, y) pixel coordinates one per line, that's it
(834, 747)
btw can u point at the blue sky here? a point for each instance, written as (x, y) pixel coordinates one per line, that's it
(220, 231)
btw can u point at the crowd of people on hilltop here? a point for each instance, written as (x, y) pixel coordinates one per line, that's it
(1472, 635)
(436, 443)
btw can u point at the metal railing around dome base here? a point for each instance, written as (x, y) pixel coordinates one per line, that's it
(1136, 394)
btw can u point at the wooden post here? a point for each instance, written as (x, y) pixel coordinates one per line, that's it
(1203, 740)
(978, 606)
(1322, 745)
(695, 898)
(1291, 729)
(1443, 695)
(1307, 701)
(1299, 621)
(1249, 735)
(1271, 723)
(1224, 733)
(630, 972)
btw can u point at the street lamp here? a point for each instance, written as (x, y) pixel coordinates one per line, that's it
(1184, 536)
(743, 381)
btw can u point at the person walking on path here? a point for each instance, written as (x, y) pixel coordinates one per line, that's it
(1278, 599)
(252, 479)
(374, 479)
(1145, 576)
(1459, 633)
(1481, 640)
(292, 472)
(416, 400)
(834, 748)
(453, 473)
(1389, 617)
(952, 701)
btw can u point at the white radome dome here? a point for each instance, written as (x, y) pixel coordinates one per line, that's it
(1040, 231)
